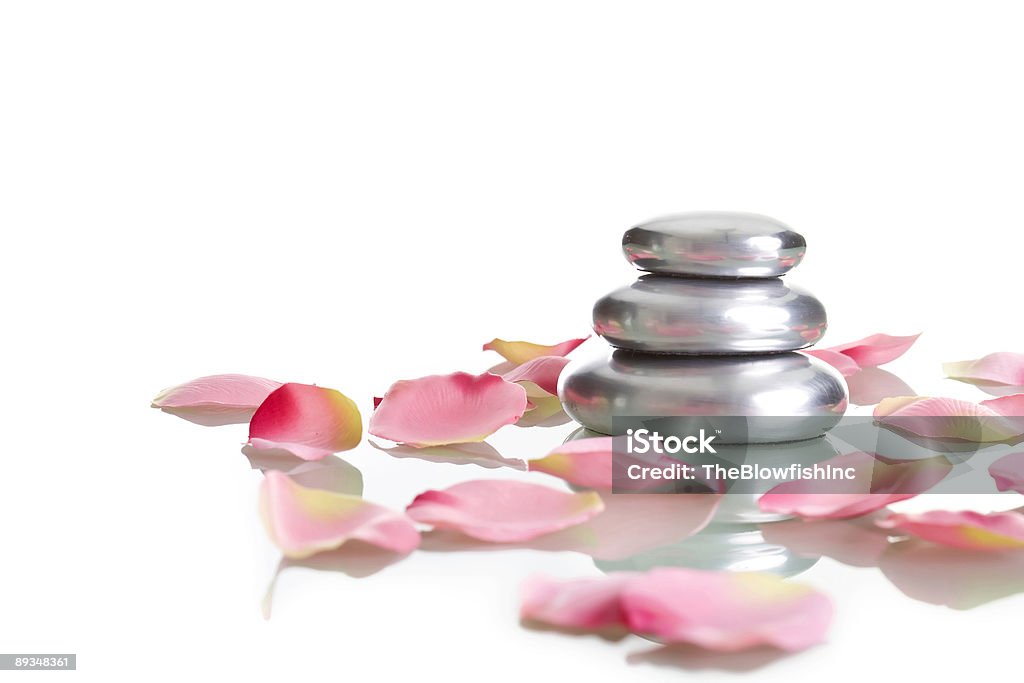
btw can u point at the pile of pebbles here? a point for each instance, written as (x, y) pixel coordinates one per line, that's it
(712, 329)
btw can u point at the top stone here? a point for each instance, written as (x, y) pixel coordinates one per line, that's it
(714, 244)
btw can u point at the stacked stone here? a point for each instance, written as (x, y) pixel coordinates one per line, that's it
(711, 330)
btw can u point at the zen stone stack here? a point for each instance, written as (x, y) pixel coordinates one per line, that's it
(711, 330)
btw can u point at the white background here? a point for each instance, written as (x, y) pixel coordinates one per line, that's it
(349, 194)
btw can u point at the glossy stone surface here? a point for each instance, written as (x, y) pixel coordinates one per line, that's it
(665, 314)
(714, 244)
(786, 396)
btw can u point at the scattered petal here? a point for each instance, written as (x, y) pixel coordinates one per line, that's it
(719, 611)
(868, 386)
(962, 529)
(584, 462)
(839, 361)
(877, 483)
(877, 349)
(542, 371)
(951, 418)
(445, 409)
(1008, 471)
(307, 421)
(1001, 368)
(503, 511)
(303, 521)
(216, 399)
(519, 352)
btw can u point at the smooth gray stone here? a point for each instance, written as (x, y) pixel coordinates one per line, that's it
(714, 244)
(785, 396)
(665, 314)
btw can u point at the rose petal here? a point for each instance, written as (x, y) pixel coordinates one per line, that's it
(877, 349)
(951, 418)
(868, 386)
(445, 409)
(542, 371)
(877, 484)
(519, 352)
(307, 421)
(302, 521)
(841, 362)
(1008, 471)
(584, 462)
(1002, 367)
(962, 529)
(940, 575)
(592, 604)
(726, 611)
(1007, 406)
(714, 610)
(216, 399)
(503, 511)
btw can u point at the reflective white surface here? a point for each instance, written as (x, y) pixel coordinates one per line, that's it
(353, 193)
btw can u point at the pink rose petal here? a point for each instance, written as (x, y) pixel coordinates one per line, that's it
(719, 611)
(591, 604)
(446, 409)
(302, 521)
(1008, 471)
(542, 371)
(216, 399)
(951, 418)
(962, 529)
(877, 349)
(877, 484)
(503, 511)
(841, 362)
(868, 386)
(1001, 368)
(307, 421)
(584, 462)
(519, 352)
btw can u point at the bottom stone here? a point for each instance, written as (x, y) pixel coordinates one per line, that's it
(785, 396)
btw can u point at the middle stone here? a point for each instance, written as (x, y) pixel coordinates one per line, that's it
(667, 314)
